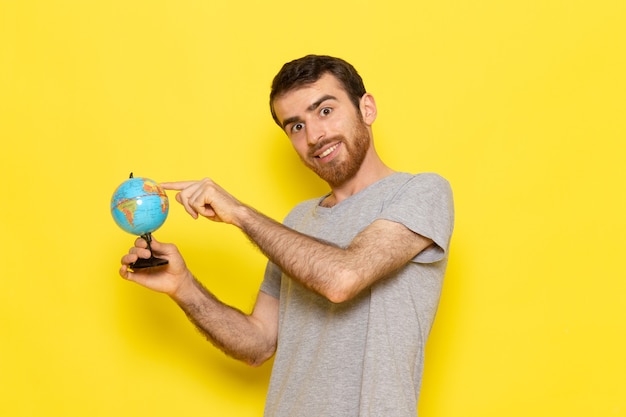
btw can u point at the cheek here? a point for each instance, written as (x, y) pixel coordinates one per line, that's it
(344, 125)
(299, 145)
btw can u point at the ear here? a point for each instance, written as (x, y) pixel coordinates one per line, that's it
(368, 108)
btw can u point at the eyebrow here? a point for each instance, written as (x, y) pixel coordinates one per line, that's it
(312, 107)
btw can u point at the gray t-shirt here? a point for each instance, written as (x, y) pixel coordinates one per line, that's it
(363, 357)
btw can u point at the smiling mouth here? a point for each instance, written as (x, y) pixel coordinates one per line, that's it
(327, 151)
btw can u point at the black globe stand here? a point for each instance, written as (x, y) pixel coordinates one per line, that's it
(152, 261)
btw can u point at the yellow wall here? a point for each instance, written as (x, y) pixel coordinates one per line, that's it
(520, 104)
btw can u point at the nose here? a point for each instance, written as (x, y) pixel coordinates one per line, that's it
(314, 132)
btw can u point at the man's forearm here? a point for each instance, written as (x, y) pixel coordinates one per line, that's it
(336, 273)
(230, 330)
(318, 265)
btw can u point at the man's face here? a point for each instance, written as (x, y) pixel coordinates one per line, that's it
(326, 130)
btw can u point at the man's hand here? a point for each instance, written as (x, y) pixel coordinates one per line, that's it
(168, 279)
(206, 198)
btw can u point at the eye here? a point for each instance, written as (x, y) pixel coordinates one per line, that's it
(325, 111)
(297, 127)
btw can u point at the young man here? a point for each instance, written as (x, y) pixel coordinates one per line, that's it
(354, 277)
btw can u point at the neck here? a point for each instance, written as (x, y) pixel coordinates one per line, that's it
(372, 170)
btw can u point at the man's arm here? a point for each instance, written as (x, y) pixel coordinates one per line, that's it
(336, 273)
(249, 338)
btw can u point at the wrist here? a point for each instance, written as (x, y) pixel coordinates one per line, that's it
(245, 217)
(186, 288)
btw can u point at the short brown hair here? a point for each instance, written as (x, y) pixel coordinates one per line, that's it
(309, 69)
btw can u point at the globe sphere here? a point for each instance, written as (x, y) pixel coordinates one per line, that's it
(139, 206)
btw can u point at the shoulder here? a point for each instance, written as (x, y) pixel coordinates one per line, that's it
(427, 182)
(430, 179)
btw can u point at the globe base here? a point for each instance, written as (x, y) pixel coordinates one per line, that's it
(148, 263)
(152, 261)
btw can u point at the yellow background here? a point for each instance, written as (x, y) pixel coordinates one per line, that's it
(520, 104)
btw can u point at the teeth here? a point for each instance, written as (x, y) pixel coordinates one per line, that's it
(328, 151)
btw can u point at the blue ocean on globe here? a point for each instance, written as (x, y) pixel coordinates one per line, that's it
(139, 206)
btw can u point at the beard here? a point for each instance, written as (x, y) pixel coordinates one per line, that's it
(338, 172)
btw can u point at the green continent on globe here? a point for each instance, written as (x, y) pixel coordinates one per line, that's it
(128, 207)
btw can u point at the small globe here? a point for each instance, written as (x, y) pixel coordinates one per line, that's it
(139, 206)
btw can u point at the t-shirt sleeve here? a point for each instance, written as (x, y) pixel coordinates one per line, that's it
(271, 280)
(425, 206)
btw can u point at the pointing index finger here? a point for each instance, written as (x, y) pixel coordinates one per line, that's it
(177, 186)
